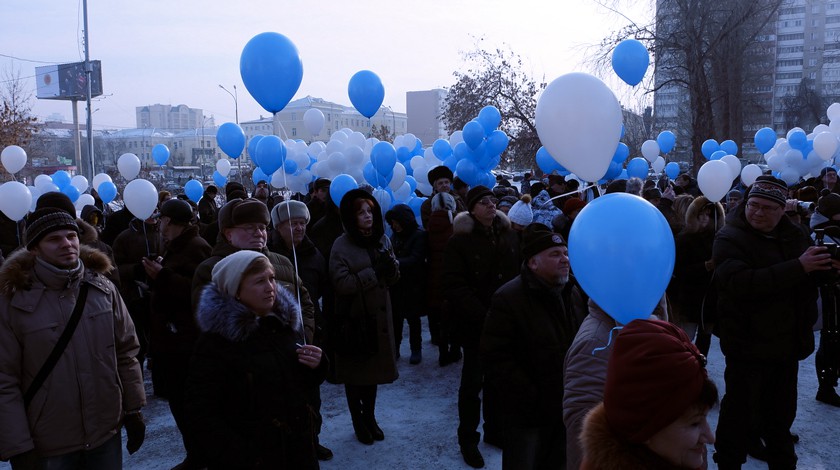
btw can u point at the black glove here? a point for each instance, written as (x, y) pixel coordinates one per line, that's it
(135, 430)
(385, 267)
(26, 461)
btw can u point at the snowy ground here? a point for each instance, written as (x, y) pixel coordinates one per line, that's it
(418, 414)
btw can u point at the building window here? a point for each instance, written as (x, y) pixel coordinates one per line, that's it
(294, 118)
(294, 133)
(812, 76)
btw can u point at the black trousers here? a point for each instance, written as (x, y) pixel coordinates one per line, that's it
(173, 371)
(762, 391)
(469, 402)
(535, 448)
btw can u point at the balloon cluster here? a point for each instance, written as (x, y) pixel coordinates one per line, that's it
(480, 150)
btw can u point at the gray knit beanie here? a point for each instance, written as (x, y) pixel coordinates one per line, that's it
(227, 273)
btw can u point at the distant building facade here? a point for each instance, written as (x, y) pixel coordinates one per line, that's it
(425, 110)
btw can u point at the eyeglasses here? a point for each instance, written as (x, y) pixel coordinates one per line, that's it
(488, 201)
(253, 229)
(755, 207)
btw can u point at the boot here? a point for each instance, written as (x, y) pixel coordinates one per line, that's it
(373, 427)
(416, 357)
(323, 453)
(362, 433)
(472, 456)
(757, 450)
(828, 396)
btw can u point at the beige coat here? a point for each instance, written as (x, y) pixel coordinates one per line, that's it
(81, 404)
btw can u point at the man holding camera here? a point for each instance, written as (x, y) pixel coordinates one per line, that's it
(767, 306)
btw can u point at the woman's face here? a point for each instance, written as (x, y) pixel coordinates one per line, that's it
(704, 218)
(257, 292)
(364, 217)
(683, 442)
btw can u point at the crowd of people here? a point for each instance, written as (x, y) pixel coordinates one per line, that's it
(239, 311)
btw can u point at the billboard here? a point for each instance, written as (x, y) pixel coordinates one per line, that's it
(68, 81)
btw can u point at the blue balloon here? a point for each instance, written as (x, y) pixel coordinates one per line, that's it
(666, 141)
(461, 151)
(219, 179)
(382, 181)
(672, 169)
(489, 117)
(622, 253)
(369, 172)
(623, 175)
(412, 183)
(442, 149)
(107, 191)
(497, 142)
(612, 171)
(259, 175)
(637, 167)
(730, 147)
(546, 162)
(271, 70)
(717, 155)
(383, 155)
(450, 162)
(71, 191)
(709, 147)
(797, 140)
(765, 139)
(339, 187)
(160, 153)
(231, 139)
(630, 61)
(290, 166)
(271, 152)
(252, 148)
(194, 190)
(415, 203)
(621, 153)
(61, 179)
(366, 92)
(469, 173)
(473, 134)
(403, 154)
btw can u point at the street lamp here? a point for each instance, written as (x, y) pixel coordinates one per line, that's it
(235, 100)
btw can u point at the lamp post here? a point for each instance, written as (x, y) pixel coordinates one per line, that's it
(235, 100)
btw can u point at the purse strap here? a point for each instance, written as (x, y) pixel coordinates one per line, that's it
(59, 348)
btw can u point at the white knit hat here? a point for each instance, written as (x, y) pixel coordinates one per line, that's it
(521, 213)
(227, 273)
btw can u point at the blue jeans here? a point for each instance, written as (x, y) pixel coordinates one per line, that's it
(107, 456)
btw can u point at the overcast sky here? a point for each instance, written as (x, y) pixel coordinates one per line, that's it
(179, 51)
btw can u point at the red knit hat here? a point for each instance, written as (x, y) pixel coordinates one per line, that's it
(654, 374)
(573, 204)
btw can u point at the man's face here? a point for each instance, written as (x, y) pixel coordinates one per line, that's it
(551, 265)
(292, 231)
(829, 179)
(320, 194)
(168, 230)
(247, 236)
(485, 210)
(59, 248)
(762, 214)
(443, 185)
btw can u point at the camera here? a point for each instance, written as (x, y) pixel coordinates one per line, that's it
(819, 239)
(806, 206)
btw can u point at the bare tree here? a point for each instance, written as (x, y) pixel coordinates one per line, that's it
(497, 78)
(382, 132)
(17, 124)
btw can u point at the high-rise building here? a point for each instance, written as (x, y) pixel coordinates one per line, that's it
(171, 118)
(425, 111)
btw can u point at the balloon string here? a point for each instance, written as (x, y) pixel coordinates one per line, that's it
(146, 238)
(579, 190)
(294, 259)
(609, 340)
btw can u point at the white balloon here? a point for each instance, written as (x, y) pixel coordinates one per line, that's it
(356, 173)
(734, 165)
(99, 179)
(129, 166)
(48, 188)
(339, 136)
(369, 143)
(416, 161)
(398, 178)
(337, 162)
(750, 173)
(279, 179)
(821, 128)
(36, 193)
(84, 200)
(358, 139)
(42, 181)
(410, 141)
(456, 138)
(578, 120)
(398, 141)
(833, 112)
(383, 198)
(825, 144)
(301, 159)
(781, 146)
(403, 193)
(140, 198)
(834, 126)
(658, 165)
(714, 179)
(15, 200)
(354, 156)
(776, 162)
(421, 175)
(79, 182)
(315, 148)
(334, 146)
(793, 157)
(323, 156)
(424, 188)
(789, 175)
(13, 158)
(313, 120)
(223, 167)
(650, 150)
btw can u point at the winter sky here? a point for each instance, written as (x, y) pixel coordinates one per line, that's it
(178, 52)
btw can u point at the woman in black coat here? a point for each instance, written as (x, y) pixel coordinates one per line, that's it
(410, 249)
(246, 390)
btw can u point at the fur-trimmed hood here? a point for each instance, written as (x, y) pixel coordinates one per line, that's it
(699, 204)
(16, 272)
(222, 314)
(464, 222)
(87, 232)
(604, 450)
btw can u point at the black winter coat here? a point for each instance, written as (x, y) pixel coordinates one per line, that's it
(172, 325)
(410, 248)
(246, 391)
(477, 261)
(695, 294)
(526, 335)
(767, 304)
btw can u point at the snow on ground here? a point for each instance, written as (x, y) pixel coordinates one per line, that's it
(418, 414)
